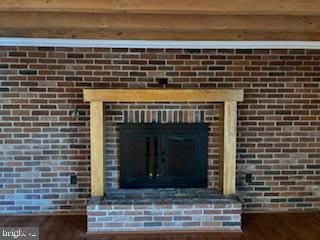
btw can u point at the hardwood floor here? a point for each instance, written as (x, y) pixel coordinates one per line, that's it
(66, 227)
(262, 226)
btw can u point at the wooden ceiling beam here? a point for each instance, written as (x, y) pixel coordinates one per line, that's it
(162, 19)
(151, 22)
(160, 35)
(217, 7)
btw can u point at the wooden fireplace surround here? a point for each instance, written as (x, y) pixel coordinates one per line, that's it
(97, 97)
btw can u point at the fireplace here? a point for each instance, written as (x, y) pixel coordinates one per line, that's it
(159, 155)
(228, 97)
(167, 160)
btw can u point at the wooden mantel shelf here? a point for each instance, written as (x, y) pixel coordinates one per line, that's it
(163, 95)
(97, 97)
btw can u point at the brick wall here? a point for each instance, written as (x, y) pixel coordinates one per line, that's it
(44, 128)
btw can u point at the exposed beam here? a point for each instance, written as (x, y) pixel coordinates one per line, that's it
(224, 35)
(223, 7)
(158, 27)
(162, 19)
(151, 22)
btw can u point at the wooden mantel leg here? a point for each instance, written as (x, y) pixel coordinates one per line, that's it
(97, 148)
(229, 148)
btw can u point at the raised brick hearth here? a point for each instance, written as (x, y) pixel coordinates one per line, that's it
(166, 209)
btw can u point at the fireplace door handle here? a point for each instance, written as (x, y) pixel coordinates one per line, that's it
(164, 158)
(148, 157)
(156, 156)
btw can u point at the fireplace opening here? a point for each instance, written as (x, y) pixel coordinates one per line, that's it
(163, 155)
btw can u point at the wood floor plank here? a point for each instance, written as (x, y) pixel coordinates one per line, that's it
(259, 226)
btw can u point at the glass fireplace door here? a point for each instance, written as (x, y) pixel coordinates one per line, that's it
(163, 155)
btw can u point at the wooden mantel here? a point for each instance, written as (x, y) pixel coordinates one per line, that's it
(97, 97)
